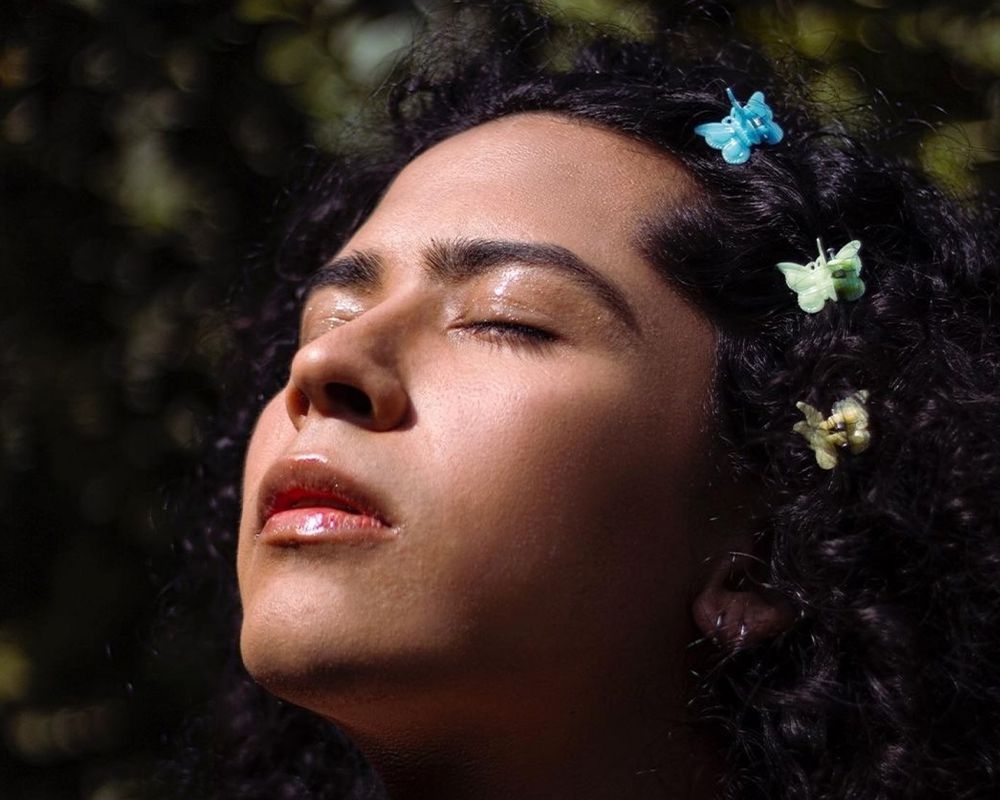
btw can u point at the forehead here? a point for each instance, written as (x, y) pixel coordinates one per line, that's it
(534, 177)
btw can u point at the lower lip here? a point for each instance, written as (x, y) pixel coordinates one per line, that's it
(316, 525)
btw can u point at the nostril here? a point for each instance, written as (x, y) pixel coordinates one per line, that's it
(349, 398)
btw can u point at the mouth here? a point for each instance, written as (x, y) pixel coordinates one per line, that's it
(303, 500)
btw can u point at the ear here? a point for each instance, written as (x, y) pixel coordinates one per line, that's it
(735, 608)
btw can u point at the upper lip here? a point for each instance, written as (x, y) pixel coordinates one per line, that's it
(310, 480)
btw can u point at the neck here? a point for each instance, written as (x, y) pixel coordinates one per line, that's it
(536, 769)
(610, 747)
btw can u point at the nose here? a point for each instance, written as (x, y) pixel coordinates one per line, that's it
(351, 373)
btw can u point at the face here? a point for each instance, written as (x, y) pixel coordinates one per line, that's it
(487, 463)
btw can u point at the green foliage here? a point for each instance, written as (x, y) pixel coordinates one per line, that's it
(141, 147)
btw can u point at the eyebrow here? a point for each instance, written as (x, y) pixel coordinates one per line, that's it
(460, 260)
(360, 270)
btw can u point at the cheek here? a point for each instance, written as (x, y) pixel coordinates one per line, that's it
(562, 506)
(586, 438)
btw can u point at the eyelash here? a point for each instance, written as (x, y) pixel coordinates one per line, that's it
(499, 333)
(515, 333)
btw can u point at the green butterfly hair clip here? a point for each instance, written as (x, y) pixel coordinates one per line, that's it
(845, 428)
(832, 276)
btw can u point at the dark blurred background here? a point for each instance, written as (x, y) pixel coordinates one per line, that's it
(142, 143)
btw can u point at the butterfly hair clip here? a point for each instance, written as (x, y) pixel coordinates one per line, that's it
(845, 429)
(832, 276)
(745, 127)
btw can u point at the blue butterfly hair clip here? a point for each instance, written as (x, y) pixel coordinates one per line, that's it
(745, 127)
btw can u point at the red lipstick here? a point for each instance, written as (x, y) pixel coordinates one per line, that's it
(303, 501)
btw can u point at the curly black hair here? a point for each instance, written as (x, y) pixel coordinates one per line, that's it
(886, 684)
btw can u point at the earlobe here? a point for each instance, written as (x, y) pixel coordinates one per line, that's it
(734, 608)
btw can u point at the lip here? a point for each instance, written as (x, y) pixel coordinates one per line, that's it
(303, 500)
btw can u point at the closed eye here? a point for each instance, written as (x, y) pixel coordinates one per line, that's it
(514, 333)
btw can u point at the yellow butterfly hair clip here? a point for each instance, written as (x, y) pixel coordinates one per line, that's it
(845, 428)
(832, 276)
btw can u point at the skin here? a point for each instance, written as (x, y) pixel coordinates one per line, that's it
(520, 630)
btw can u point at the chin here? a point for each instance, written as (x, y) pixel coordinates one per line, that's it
(308, 668)
(371, 695)
(330, 657)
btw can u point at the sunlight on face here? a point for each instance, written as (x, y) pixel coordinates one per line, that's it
(483, 468)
